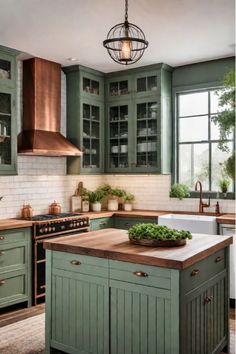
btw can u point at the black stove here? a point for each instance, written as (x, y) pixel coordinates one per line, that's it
(44, 217)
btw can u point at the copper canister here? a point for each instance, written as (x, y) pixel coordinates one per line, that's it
(27, 211)
(55, 208)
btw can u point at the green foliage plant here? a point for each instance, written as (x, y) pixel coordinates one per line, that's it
(96, 196)
(224, 184)
(129, 198)
(151, 231)
(179, 191)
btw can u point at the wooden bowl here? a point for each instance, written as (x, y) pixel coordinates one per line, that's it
(158, 243)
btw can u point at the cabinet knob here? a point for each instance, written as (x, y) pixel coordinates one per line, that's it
(103, 223)
(218, 259)
(2, 238)
(140, 274)
(2, 282)
(195, 272)
(2, 253)
(208, 299)
(74, 262)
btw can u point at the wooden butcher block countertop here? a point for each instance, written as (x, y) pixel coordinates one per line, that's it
(114, 244)
(8, 224)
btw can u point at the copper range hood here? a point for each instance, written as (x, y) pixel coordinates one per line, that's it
(42, 111)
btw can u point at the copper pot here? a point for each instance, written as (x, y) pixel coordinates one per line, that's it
(55, 208)
(27, 211)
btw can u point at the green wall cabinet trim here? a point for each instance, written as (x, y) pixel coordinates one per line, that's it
(15, 267)
(114, 313)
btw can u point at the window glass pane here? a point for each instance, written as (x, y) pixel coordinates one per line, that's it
(193, 129)
(193, 104)
(217, 165)
(215, 95)
(215, 133)
(194, 164)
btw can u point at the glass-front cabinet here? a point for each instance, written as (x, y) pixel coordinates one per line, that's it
(85, 118)
(118, 130)
(139, 124)
(8, 134)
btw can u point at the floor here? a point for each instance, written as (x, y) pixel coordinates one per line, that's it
(9, 316)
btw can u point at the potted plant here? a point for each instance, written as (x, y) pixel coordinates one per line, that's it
(224, 185)
(95, 199)
(113, 198)
(179, 191)
(128, 201)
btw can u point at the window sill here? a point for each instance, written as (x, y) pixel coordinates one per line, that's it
(214, 195)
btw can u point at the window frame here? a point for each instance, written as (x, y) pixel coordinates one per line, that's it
(176, 143)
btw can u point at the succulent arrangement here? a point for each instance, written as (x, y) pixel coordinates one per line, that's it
(150, 231)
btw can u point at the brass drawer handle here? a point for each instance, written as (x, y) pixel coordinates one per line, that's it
(2, 238)
(2, 253)
(195, 272)
(218, 259)
(2, 282)
(74, 262)
(43, 287)
(103, 223)
(208, 299)
(140, 274)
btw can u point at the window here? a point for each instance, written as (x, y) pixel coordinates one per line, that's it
(198, 154)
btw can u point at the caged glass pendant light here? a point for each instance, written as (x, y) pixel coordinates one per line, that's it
(125, 41)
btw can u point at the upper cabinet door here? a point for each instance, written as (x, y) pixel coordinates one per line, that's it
(91, 86)
(7, 132)
(147, 83)
(118, 88)
(7, 70)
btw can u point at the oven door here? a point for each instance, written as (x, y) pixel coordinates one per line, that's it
(40, 266)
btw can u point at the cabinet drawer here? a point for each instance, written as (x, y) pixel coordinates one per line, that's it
(13, 286)
(81, 264)
(195, 275)
(140, 274)
(14, 235)
(126, 223)
(12, 257)
(101, 223)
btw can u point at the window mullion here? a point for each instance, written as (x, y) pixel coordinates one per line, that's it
(209, 139)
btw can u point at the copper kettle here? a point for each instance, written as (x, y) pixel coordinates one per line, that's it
(27, 211)
(55, 208)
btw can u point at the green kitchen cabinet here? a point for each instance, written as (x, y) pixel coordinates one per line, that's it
(101, 223)
(8, 112)
(15, 266)
(125, 223)
(137, 308)
(85, 118)
(138, 116)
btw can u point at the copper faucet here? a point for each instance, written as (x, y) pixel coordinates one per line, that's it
(202, 205)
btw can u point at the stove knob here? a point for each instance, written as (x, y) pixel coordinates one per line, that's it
(49, 229)
(85, 222)
(46, 229)
(71, 225)
(81, 223)
(62, 227)
(53, 229)
(41, 230)
(77, 224)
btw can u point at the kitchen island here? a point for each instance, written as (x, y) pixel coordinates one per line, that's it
(105, 295)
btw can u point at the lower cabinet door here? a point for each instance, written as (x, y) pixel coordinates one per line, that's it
(139, 319)
(204, 318)
(125, 223)
(101, 223)
(80, 313)
(13, 288)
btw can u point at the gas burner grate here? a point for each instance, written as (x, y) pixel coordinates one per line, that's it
(51, 216)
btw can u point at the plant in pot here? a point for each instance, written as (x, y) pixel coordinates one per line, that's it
(224, 185)
(128, 201)
(113, 199)
(95, 199)
(179, 191)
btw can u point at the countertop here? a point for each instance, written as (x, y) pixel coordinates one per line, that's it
(221, 219)
(7, 224)
(114, 244)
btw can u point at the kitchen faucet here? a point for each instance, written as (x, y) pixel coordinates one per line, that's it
(202, 205)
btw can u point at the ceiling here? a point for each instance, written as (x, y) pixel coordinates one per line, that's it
(179, 31)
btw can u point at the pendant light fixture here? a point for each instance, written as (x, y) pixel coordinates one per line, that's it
(125, 41)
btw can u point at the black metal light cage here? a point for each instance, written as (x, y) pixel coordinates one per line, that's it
(125, 32)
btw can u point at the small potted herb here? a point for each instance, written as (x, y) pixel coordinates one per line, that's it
(95, 199)
(128, 201)
(154, 235)
(224, 185)
(113, 199)
(179, 191)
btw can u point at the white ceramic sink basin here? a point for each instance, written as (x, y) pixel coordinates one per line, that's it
(194, 223)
